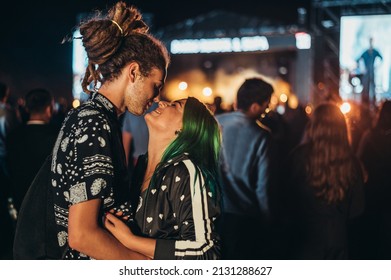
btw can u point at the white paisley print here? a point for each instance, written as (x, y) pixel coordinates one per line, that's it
(88, 163)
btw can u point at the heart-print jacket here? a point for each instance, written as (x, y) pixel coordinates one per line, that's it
(179, 210)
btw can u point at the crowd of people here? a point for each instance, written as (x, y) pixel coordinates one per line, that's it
(137, 176)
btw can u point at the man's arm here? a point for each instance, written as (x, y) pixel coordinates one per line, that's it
(379, 55)
(86, 236)
(263, 176)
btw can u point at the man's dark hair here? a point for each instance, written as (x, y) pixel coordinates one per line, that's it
(253, 90)
(37, 100)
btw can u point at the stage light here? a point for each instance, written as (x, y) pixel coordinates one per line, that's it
(308, 109)
(345, 108)
(207, 91)
(283, 97)
(293, 101)
(303, 40)
(182, 86)
(76, 103)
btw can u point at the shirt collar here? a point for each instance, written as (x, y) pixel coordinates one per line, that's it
(104, 103)
(178, 158)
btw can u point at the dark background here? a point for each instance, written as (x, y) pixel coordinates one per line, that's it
(31, 53)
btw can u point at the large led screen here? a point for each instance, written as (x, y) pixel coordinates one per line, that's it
(79, 64)
(362, 71)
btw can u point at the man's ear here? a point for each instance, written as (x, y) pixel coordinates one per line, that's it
(133, 70)
(254, 108)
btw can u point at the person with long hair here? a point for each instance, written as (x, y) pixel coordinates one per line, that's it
(324, 188)
(126, 69)
(374, 151)
(176, 185)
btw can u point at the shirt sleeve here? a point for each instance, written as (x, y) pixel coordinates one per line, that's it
(90, 168)
(263, 181)
(196, 209)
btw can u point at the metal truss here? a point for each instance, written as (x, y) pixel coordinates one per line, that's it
(325, 27)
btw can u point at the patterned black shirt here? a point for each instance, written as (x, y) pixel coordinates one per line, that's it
(88, 163)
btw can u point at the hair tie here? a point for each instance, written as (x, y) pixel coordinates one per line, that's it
(119, 27)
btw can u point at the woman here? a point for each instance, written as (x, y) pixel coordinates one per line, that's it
(324, 188)
(179, 193)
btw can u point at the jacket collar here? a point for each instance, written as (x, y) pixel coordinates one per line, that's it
(178, 158)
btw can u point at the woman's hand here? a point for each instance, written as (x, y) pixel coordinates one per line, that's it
(119, 230)
(122, 232)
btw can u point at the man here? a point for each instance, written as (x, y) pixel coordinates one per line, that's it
(8, 121)
(88, 171)
(245, 173)
(30, 144)
(369, 88)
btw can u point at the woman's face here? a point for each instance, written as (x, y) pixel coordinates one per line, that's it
(167, 118)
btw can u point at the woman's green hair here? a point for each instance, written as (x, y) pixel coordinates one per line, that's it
(200, 138)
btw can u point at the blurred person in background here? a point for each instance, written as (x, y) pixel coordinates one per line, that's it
(217, 105)
(245, 168)
(374, 151)
(323, 189)
(8, 122)
(29, 145)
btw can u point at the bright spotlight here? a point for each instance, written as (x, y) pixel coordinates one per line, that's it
(207, 91)
(293, 101)
(283, 97)
(76, 103)
(345, 107)
(182, 86)
(308, 109)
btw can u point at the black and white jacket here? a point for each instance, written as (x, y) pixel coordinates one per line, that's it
(180, 211)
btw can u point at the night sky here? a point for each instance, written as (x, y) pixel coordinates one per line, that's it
(31, 53)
